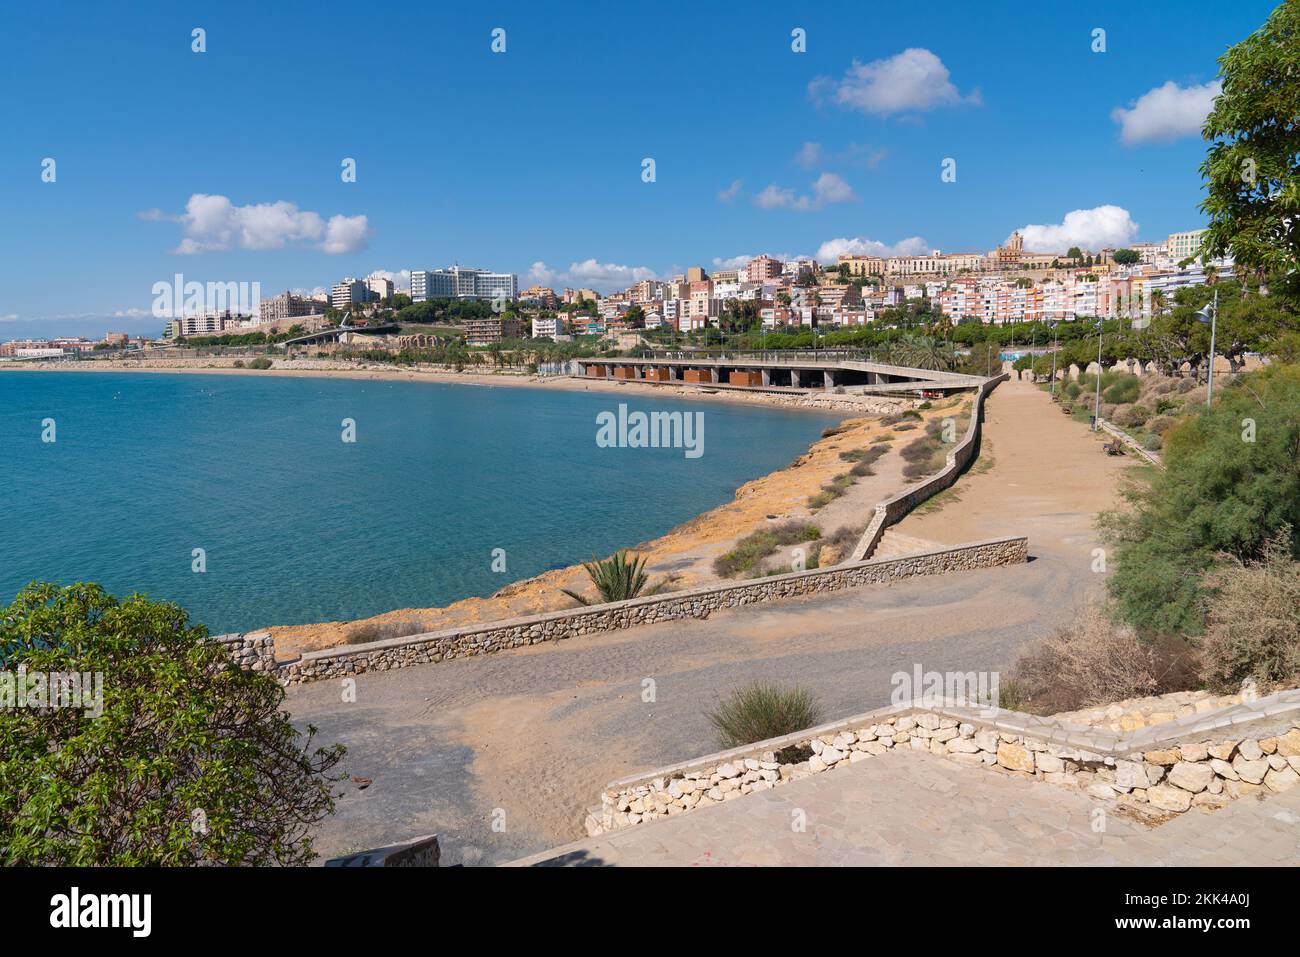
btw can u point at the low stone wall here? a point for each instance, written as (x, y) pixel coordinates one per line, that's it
(891, 510)
(254, 651)
(1202, 760)
(257, 650)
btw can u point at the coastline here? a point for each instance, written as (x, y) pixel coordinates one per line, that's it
(332, 369)
(682, 557)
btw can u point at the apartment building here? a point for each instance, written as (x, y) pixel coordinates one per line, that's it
(484, 332)
(349, 292)
(288, 306)
(547, 327)
(762, 268)
(1184, 245)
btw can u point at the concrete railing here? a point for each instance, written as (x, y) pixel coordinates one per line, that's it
(257, 650)
(892, 509)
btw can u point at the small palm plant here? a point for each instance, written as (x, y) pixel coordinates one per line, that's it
(616, 578)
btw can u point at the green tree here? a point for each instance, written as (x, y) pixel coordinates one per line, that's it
(1126, 257)
(1231, 482)
(190, 760)
(1252, 179)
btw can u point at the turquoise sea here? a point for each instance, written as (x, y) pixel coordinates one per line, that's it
(297, 525)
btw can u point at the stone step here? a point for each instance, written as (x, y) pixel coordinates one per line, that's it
(894, 544)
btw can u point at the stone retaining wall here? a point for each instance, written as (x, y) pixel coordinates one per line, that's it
(1202, 760)
(892, 509)
(257, 650)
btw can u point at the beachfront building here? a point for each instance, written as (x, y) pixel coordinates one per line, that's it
(547, 327)
(484, 332)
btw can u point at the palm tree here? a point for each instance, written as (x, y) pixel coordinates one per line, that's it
(615, 578)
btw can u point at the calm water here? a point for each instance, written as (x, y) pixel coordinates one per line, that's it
(299, 526)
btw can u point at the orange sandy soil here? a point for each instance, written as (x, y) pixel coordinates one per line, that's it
(686, 553)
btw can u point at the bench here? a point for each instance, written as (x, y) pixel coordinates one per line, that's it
(1115, 447)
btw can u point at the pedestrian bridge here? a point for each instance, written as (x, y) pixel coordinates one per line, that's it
(765, 372)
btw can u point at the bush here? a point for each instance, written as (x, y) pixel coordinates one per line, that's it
(752, 549)
(1094, 661)
(365, 632)
(1152, 443)
(896, 417)
(261, 362)
(1072, 390)
(1124, 389)
(1253, 622)
(1160, 424)
(761, 711)
(179, 731)
(1132, 416)
(1186, 385)
(1217, 495)
(239, 363)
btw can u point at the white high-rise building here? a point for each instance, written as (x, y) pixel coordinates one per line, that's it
(460, 282)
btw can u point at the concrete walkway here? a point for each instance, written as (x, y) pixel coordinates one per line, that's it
(907, 808)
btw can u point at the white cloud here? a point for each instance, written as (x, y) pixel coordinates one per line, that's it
(345, 234)
(913, 80)
(729, 194)
(1097, 228)
(735, 262)
(593, 274)
(1166, 112)
(828, 188)
(809, 155)
(213, 223)
(832, 249)
(11, 317)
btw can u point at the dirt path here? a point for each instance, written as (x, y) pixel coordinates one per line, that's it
(1040, 474)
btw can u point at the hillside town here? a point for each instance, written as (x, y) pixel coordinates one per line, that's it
(1009, 284)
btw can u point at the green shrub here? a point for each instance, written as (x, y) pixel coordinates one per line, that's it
(261, 362)
(1072, 390)
(177, 728)
(1160, 424)
(753, 548)
(1124, 389)
(1217, 495)
(761, 711)
(1152, 443)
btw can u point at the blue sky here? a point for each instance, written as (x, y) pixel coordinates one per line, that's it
(534, 156)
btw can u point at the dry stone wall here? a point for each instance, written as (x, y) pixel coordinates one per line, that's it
(1201, 760)
(257, 650)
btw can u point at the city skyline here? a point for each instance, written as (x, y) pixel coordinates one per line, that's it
(756, 148)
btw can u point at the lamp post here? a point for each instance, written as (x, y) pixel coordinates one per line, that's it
(1096, 410)
(1210, 314)
(1054, 348)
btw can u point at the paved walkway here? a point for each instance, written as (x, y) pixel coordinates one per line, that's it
(906, 808)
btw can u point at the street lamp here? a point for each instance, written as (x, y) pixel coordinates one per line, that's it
(1054, 348)
(1210, 313)
(1096, 411)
